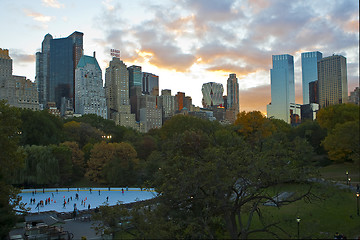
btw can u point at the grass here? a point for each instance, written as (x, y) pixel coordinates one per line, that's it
(337, 171)
(335, 212)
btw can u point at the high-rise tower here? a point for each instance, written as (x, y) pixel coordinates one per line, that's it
(282, 87)
(309, 71)
(89, 90)
(332, 83)
(55, 68)
(233, 93)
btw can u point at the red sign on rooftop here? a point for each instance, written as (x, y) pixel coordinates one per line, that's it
(115, 53)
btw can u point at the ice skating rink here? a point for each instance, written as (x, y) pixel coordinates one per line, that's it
(94, 198)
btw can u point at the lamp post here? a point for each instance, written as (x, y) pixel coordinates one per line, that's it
(347, 177)
(357, 202)
(298, 226)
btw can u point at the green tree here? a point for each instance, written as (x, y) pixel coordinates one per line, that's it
(63, 155)
(330, 116)
(77, 159)
(40, 128)
(10, 160)
(82, 133)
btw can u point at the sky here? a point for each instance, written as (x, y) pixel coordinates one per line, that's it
(190, 42)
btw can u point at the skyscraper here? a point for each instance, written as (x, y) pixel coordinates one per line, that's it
(55, 68)
(332, 83)
(135, 76)
(117, 94)
(89, 90)
(212, 94)
(150, 84)
(309, 71)
(233, 92)
(42, 78)
(282, 87)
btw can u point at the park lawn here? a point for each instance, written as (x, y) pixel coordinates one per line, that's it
(336, 172)
(320, 218)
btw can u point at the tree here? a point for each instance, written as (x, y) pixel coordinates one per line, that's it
(77, 159)
(11, 159)
(40, 128)
(112, 163)
(223, 186)
(82, 133)
(337, 114)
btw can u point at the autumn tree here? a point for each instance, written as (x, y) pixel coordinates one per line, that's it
(77, 159)
(112, 163)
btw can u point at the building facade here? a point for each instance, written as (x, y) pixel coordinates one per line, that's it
(282, 87)
(354, 96)
(89, 90)
(167, 102)
(6, 84)
(55, 68)
(117, 94)
(212, 94)
(332, 83)
(233, 93)
(309, 72)
(150, 84)
(150, 113)
(313, 92)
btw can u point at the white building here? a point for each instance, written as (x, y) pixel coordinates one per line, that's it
(89, 90)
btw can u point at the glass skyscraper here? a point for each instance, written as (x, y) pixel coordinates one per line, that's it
(55, 68)
(309, 71)
(150, 84)
(282, 87)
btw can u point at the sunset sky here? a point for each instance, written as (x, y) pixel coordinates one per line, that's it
(190, 42)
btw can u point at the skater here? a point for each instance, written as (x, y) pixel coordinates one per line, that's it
(64, 204)
(89, 207)
(57, 191)
(43, 190)
(109, 188)
(107, 198)
(82, 202)
(99, 192)
(52, 194)
(122, 191)
(68, 189)
(90, 190)
(127, 188)
(77, 189)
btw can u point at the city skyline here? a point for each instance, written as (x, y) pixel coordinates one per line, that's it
(189, 43)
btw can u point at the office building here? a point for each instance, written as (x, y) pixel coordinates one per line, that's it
(55, 68)
(167, 103)
(212, 94)
(282, 87)
(233, 93)
(332, 81)
(309, 111)
(117, 94)
(89, 90)
(313, 92)
(135, 76)
(6, 83)
(179, 101)
(150, 114)
(354, 96)
(309, 71)
(150, 84)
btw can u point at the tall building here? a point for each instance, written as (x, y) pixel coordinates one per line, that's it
(42, 78)
(135, 76)
(332, 75)
(233, 93)
(150, 113)
(212, 94)
(55, 68)
(354, 96)
(117, 94)
(167, 103)
(313, 92)
(89, 90)
(282, 87)
(309, 71)
(150, 84)
(16, 90)
(179, 101)
(5, 75)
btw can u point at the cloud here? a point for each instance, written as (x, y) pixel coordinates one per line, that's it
(255, 98)
(20, 57)
(52, 3)
(38, 16)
